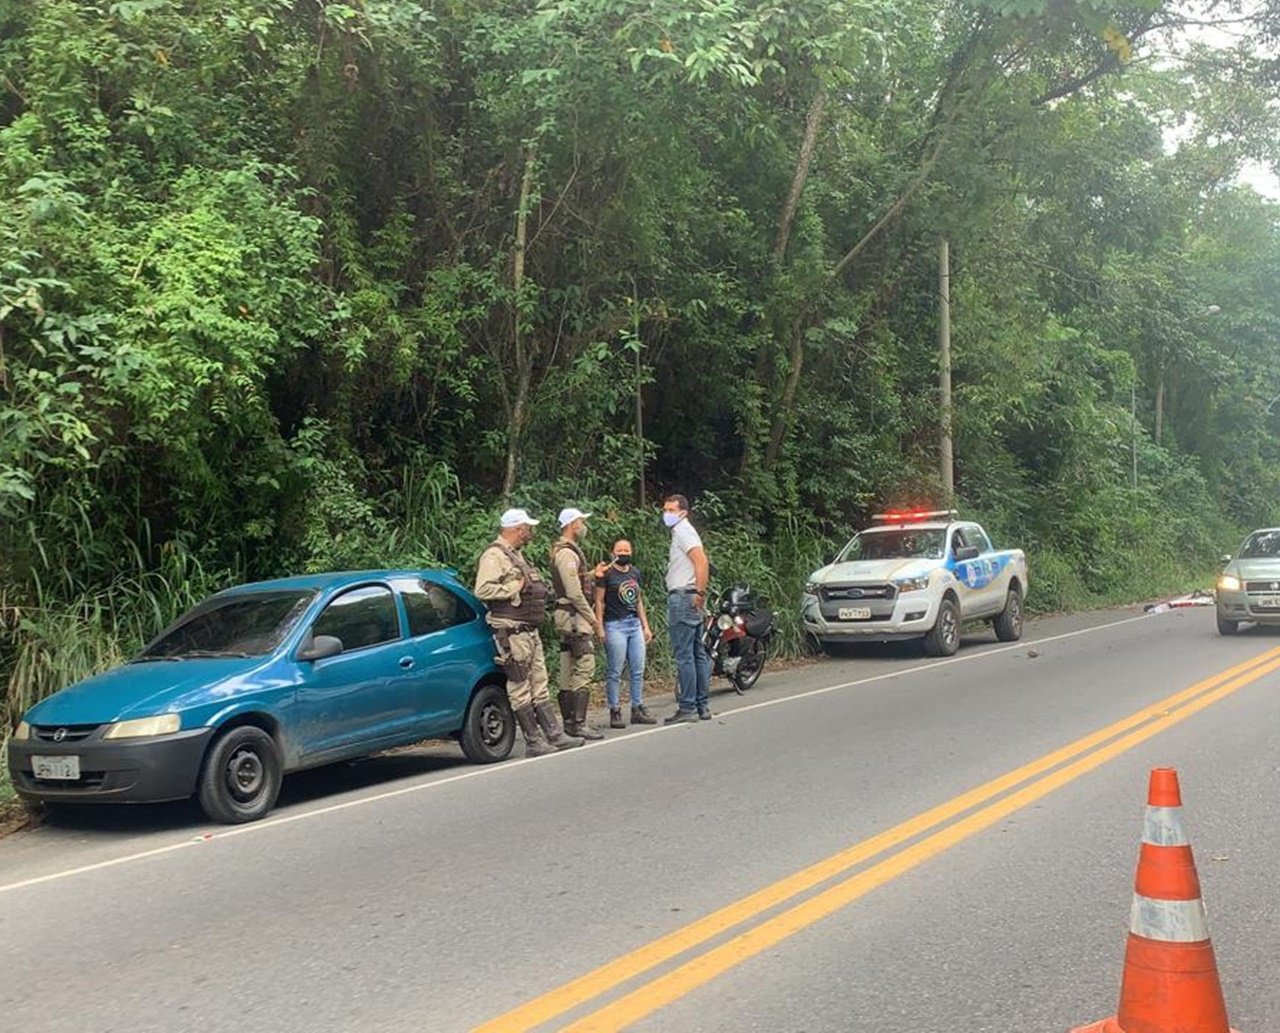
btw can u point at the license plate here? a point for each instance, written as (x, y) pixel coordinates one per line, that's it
(66, 768)
(1269, 602)
(854, 613)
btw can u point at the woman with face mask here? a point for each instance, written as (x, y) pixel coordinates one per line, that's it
(620, 606)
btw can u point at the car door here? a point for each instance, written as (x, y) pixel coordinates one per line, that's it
(365, 696)
(981, 593)
(451, 647)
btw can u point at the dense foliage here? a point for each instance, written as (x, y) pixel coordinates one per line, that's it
(300, 284)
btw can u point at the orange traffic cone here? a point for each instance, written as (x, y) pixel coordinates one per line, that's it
(1170, 982)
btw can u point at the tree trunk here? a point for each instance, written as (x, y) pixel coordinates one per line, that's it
(786, 222)
(1160, 408)
(523, 364)
(786, 404)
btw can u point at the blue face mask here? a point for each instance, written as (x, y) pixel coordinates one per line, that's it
(671, 519)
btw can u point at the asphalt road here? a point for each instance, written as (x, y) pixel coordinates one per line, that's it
(828, 854)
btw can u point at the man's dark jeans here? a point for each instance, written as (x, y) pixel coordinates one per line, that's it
(693, 665)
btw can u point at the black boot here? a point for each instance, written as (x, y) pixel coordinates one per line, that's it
(640, 716)
(534, 743)
(581, 697)
(551, 728)
(565, 699)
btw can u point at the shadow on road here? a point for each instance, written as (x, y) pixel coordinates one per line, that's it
(318, 785)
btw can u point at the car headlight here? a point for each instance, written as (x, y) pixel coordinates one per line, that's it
(724, 622)
(162, 724)
(23, 731)
(912, 584)
(1229, 583)
(811, 588)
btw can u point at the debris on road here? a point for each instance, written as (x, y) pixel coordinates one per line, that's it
(1200, 597)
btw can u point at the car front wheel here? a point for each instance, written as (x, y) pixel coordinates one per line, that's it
(1226, 627)
(489, 729)
(944, 638)
(241, 777)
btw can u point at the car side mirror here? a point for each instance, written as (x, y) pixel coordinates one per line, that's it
(967, 552)
(321, 647)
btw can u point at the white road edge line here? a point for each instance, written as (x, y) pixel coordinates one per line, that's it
(260, 826)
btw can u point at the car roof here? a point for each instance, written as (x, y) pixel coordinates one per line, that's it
(932, 525)
(337, 579)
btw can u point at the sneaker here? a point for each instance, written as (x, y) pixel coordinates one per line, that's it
(704, 715)
(681, 717)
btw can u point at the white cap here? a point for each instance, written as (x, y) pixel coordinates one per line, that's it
(568, 516)
(517, 518)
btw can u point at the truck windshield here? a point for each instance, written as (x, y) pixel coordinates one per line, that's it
(251, 624)
(895, 544)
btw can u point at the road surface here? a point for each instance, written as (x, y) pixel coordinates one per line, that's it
(875, 844)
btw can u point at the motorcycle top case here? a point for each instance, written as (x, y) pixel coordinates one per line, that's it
(759, 625)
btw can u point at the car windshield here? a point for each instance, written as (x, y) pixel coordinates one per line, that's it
(1261, 545)
(251, 624)
(896, 544)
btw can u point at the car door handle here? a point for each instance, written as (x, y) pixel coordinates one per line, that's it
(406, 662)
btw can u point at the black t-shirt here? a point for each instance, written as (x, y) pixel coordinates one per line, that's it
(621, 593)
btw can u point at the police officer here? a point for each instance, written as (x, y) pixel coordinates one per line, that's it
(576, 622)
(516, 596)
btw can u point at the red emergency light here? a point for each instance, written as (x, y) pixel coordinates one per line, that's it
(918, 516)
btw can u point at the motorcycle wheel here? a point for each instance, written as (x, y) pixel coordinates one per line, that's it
(754, 653)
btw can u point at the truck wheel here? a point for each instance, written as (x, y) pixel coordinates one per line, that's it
(944, 637)
(1008, 624)
(1226, 627)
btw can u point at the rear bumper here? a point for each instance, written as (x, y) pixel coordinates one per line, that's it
(164, 767)
(913, 616)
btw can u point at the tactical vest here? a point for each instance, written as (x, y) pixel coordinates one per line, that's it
(585, 574)
(533, 599)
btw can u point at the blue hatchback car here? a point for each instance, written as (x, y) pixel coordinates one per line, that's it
(268, 678)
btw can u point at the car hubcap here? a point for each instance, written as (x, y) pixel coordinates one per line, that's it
(1015, 611)
(492, 725)
(245, 774)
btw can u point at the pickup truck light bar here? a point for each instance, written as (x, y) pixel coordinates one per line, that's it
(916, 516)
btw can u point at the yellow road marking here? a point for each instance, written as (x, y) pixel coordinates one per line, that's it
(570, 995)
(700, 970)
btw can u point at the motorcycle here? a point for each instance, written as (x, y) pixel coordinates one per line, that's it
(736, 635)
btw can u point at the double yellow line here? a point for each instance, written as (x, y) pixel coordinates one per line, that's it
(1049, 772)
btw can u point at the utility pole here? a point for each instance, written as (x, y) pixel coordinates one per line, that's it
(1133, 423)
(946, 457)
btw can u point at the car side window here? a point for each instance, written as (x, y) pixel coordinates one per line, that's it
(432, 607)
(976, 536)
(361, 617)
(957, 541)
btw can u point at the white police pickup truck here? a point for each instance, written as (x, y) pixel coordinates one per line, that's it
(916, 575)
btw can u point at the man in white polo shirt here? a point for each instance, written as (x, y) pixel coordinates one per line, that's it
(687, 571)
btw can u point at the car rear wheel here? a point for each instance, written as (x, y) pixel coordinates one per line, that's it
(1226, 627)
(944, 637)
(489, 729)
(1008, 624)
(241, 777)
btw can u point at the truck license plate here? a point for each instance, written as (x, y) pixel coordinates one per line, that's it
(65, 768)
(855, 613)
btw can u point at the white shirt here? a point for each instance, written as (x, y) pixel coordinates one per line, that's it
(680, 569)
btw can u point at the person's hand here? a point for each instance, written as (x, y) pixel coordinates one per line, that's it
(599, 631)
(648, 635)
(699, 600)
(601, 570)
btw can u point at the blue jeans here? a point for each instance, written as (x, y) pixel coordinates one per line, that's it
(693, 665)
(624, 644)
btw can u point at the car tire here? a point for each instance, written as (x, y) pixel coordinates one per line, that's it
(489, 729)
(1008, 623)
(944, 637)
(1226, 627)
(241, 776)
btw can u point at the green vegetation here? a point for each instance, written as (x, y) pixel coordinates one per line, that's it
(309, 285)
